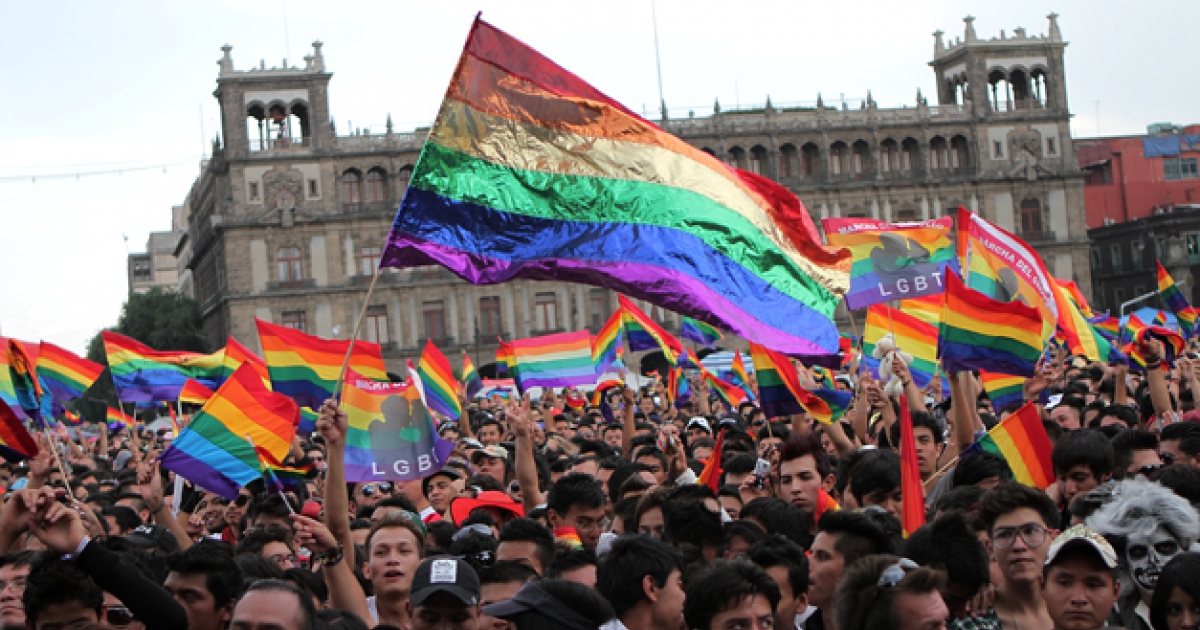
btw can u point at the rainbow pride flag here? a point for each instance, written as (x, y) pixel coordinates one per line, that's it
(235, 354)
(1133, 328)
(522, 146)
(391, 435)
(729, 394)
(1087, 339)
(441, 390)
(979, 333)
(559, 360)
(644, 333)
(114, 416)
(66, 374)
(1002, 389)
(836, 401)
(1075, 295)
(779, 390)
(470, 377)
(307, 368)
(1106, 325)
(8, 390)
(214, 450)
(738, 375)
(918, 338)
(699, 332)
(893, 261)
(505, 358)
(308, 422)
(31, 392)
(195, 392)
(15, 442)
(606, 347)
(1176, 302)
(142, 374)
(1022, 441)
(711, 474)
(927, 309)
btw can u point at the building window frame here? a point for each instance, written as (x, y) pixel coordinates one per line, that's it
(491, 318)
(433, 316)
(546, 311)
(376, 325)
(296, 320)
(1180, 168)
(289, 264)
(368, 260)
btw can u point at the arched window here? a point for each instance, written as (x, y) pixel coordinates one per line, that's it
(351, 191)
(758, 160)
(1000, 94)
(959, 157)
(889, 157)
(909, 150)
(788, 163)
(1020, 88)
(403, 178)
(737, 158)
(939, 154)
(810, 157)
(375, 185)
(1038, 87)
(1031, 219)
(839, 159)
(860, 159)
(291, 267)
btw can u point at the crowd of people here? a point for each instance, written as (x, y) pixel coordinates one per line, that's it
(557, 513)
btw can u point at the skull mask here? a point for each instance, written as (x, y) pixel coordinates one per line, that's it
(1147, 555)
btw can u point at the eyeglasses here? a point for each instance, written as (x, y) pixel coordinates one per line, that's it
(282, 558)
(590, 525)
(1033, 534)
(16, 584)
(889, 578)
(118, 616)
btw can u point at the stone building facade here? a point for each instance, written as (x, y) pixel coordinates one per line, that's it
(286, 222)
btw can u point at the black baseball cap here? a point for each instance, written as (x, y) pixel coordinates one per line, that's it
(531, 597)
(445, 575)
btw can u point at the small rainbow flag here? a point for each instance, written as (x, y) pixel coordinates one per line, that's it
(711, 475)
(142, 374)
(72, 419)
(978, 332)
(606, 347)
(306, 368)
(644, 334)
(8, 391)
(116, 416)
(1173, 344)
(893, 260)
(822, 376)
(1022, 441)
(441, 390)
(1106, 325)
(825, 503)
(66, 374)
(195, 392)
(836, 401)
(739, 376)
(699, 332)
(470, 377)
(559, 360)
(569, 538)
(918, 338)
(505, 360)
(729, 394)
(212, 451)
(912, 491)
(15, 442)
(1002, 389)
(1160, 319)
(1133, 328)
(32, 394)
(779, 390)
(1175, 300)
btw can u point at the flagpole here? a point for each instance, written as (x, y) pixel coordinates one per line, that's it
(362, 313)
(58, 461)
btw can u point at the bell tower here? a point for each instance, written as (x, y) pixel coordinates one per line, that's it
(283, 110)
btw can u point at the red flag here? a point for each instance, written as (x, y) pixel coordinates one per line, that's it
(911, 489)
(711, 475)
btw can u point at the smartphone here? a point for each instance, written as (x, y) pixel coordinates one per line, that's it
(762, 468)
(657, 400)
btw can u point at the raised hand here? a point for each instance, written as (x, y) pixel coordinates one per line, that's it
(333, 424)
(149, 481)
(59, 527)
(519, 416)
(313, 534)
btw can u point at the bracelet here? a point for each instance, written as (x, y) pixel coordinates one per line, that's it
(1154, 366)
(330, 557)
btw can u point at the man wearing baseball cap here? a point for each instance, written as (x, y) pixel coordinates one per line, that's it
(1079, 582)
(445, 593)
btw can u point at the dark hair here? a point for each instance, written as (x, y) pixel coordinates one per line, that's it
(255, 567)
(691, 522)
(864, 605)
(777, 551)
(920, 419)
(1120, 412)
(579, 598)
(651, 450)
(474, 548)
(632, 557)
(977, 466)
(963, 499)
(1083, 447)
(314, 583)
(575, 489)
(745, 529)
(876, 471)
(336, 619)
(949, 544)
(1054, 430)
(1188, 435)
(214, 560)
(269, 505)
(127, 518)
(396, 501)
(632, 484)
(722, 587)
(18, 559)
(845, 465)
(256, 538)
(859, 535)
(740, 464)
(506, 572)
(438, 533)
(1182, 572)
(1125, 444)
(779, 517)
(308, 612)
(53, 581)
(798, 445)
(570, 561)
(1183, 480)
(1010, 496)
(620, 474)
(528, 530)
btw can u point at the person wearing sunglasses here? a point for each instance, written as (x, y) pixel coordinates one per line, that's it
(233, 516)
(1135, 453)
(370, 494)
(885, 592)
(1020, 522)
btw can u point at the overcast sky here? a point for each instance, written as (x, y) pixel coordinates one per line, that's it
(95, 86)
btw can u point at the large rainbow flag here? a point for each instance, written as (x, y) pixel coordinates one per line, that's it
(441, 389)
(979, 333)
(391, 434)
(142, 374)
(1022, 441)
(194, 392)
(916, 337)
(15, 442)
(307, 368)
(927, 309)
(214, 450)
(66, 374)
(523, 147)
(559, 360)
(893, 261)
(236, 354)
(1005, 268)
(1176, 302)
